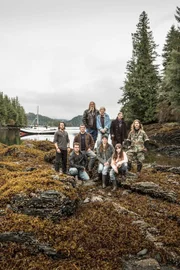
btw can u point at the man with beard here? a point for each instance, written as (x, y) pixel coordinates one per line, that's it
(137, 143)
(89, 120)
(118, 130)
(86, 144)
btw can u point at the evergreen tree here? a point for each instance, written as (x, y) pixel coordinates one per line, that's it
(3, 110)
(177, 15)
(171, 44)
(172, 77)
(142, 79)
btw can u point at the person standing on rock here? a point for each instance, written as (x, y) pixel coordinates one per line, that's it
(119, 165)
(89, 120)
(137, 143)
(118, 130)
(103, 124)
(78, 162)
(62, 143)
(86, 143)
(104, 154)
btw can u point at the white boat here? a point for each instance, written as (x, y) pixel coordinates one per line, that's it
(36, 129)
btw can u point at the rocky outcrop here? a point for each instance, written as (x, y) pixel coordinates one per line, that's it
(49, 204)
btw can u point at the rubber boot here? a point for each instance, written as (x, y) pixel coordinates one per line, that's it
(104, 181)
(114, 184)
(139, 167)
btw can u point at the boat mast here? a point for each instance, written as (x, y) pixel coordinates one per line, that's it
(37, 115)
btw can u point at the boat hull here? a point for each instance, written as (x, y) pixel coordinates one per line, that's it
(36, 131)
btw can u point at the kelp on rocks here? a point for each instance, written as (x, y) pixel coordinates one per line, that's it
(99, 235)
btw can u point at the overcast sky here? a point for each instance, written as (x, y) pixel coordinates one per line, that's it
(62, 54)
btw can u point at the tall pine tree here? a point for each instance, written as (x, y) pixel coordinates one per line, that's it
(169, 102)
(142, 78)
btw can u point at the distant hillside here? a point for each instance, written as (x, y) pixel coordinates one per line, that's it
(46, 121)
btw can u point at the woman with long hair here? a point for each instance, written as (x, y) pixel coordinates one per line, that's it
(119, 165)
(104, 154)
(138, 143)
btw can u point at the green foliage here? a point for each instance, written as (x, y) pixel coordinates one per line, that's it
(171, 43)
(177, 15)
(142, 79)
(172, 77)
(11, 112)
(169, 93)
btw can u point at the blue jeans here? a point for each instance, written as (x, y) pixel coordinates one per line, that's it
(103, 169)
(81, 173)
(93, 133)
(92, 157)
(121, 170)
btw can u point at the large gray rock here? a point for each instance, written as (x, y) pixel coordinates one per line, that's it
(49, 204)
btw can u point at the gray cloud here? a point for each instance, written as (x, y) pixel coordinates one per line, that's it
(61, 54)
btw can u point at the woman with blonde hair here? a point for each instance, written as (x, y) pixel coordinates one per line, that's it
(119, 165)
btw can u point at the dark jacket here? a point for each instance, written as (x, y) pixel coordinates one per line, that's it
(88, 120)
(89, 142)
(119, 132)
(78, 161)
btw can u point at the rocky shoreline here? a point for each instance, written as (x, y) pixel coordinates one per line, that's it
(51, 221)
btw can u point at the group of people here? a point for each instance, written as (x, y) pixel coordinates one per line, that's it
(113, 160)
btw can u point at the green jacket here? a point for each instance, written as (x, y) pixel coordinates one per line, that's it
(137, 139)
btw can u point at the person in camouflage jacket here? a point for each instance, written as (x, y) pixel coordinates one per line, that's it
(137, 142)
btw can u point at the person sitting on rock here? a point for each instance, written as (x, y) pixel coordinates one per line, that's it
(119, 165)
(86, 143)
(104, 154)
(78, 162)
(137, 142)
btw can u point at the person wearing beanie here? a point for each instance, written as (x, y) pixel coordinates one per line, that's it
(104, 154)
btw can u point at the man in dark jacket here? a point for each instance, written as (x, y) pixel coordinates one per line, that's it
(89, 120)
(78, 162)
(86, 143)
(118, 130)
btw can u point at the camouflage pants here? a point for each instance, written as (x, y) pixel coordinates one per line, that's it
(135, 156)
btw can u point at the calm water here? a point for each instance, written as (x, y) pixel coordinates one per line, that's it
(10, 137)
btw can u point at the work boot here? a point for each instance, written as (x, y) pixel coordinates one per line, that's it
(114, 184)
(103, 181)
(139, 167)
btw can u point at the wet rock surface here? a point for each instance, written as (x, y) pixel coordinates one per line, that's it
(52, 221)
(49, 204)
